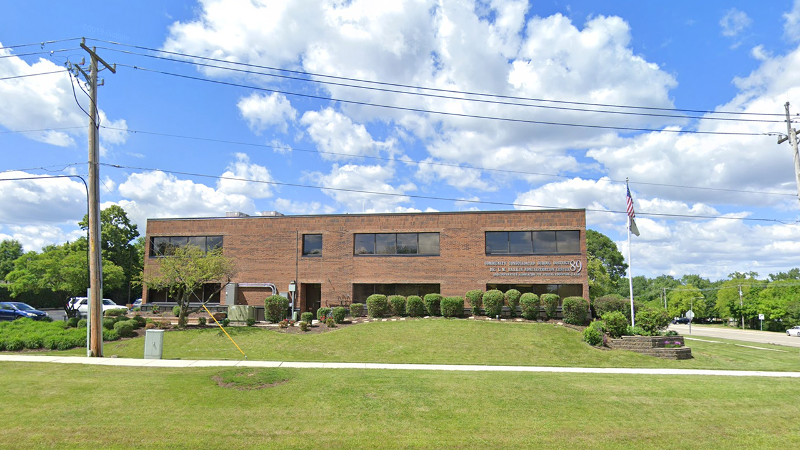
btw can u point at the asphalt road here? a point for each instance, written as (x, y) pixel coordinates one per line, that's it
(761, 337)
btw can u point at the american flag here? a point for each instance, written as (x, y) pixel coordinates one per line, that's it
(630, 204)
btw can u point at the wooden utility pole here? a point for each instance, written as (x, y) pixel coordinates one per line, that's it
(95, 255)
(791, 136)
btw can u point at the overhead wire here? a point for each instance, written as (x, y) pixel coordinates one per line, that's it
(41, 44)
(31, 75)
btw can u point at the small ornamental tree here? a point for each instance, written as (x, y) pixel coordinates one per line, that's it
(475, 299)
(184, 273)
(512, 300)
(530, 305)
(493, 302)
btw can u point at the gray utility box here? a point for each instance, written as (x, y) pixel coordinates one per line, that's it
(240, 313)
(153, 344)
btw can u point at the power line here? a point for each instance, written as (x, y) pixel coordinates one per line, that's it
(46, 168)
(425, 197)
(40, 130)
(447, 97)
(32, 75)
(450, 91)
(518, 172)
(46, 52)
(41, 44)
(444, 113)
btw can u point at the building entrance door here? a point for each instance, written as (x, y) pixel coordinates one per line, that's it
(312, 297)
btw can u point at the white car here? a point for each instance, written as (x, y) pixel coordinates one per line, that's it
(82, 305)
(794, 331)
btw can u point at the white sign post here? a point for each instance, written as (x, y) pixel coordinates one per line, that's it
(690, 316)
(761, 321)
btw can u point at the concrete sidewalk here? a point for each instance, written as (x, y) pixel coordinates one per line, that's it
(188, 363)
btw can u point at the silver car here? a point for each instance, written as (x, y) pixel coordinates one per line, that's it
(794, 331)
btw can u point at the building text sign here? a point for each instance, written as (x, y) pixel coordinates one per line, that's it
(566, 268)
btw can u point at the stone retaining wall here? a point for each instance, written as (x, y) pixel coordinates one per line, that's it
(653, 346)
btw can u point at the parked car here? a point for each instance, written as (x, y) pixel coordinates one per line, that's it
(18, 310)
(794, 331)
(136, 304)
(82, 306)
(681, 320)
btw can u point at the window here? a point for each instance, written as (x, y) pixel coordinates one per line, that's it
(396, 244)
(533, 242)
(165, 245)
(312, 245)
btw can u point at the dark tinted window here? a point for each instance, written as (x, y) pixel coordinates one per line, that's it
(544, 242)
(312, 245)
(386, 244)
(496, 242)
(407, 243)
(396, 244)
(519, 242)
(568, 241)
(213, 243)
(429, 244)
(364, 244)
(165, 245)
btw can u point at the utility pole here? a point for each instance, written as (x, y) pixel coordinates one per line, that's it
(741, 305)
(95, 256)
(664, 293)
(791, 136)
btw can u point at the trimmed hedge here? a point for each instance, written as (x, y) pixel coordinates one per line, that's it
(275, 307)
(550, 303)
(530, 305)
(575, 310)
(323, 312)
(512, 300)
(433, 304)
(493, 302)
(307, 317)
(116, 312)
(475, 299)
(338, 313)
(616, 324)
(108, 323)
(377, 305)
(397, 304)
(452, 306)
(609, 303)
(414, 306)
(592, 336)
(356, 310)
(124, 328)
(652, 320)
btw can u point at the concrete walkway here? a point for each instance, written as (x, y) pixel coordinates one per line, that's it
(188, 363)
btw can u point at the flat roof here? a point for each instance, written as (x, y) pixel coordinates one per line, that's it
(289, 216)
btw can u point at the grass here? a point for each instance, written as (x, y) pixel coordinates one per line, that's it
(89, 407)
(440, 341)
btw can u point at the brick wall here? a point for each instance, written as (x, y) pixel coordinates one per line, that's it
(269, 249)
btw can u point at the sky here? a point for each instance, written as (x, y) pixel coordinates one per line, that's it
(331, 107)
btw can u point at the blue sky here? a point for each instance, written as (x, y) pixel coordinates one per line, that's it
(707, 203)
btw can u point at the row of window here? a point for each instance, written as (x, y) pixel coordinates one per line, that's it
(165, 245)
(533, 242)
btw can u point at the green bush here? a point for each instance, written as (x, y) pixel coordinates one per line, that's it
(14, 344)
(652, 320)
(512, 300)
(493, 302)
(155, 309)
(275, 307)
(338, 313)
(635, 331)
(575, 310)
(598, 325)
(33, 341)
(251, 321)
(116, 312)
(609, 303)
(323, 312)
(475, 299)
(225, 322)
(201, 321)
(592, 336)
(330, 323)
(452, 306)
(414, 306)
(142, 321)
(307, 317)
(616, 324)
(397, 304)
(108, 323)
(124, 329)
(433, 304)
(110, 335)
(82, 323)
(176, 310)
(72, 322)
(356, 310)
(304, 325)
(530, 305)
(377, 305)
(550, 303)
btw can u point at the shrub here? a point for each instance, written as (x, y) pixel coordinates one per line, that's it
(304, 326)
(330, 322)
(134, 323)
(141, 320)
(250, 321)
(493, 302)
(433, 304)
(609, 303)
(14, 344)
(475, 298)
(598, 325)
(592, 336)
(72, 322)
(110, 335)
(149, 326)
(338, 313)
(652, 320)
(82, 323)
(275, 307)
(124, 329)
(225, 322)
(635, 331)
(108, 323)
(323, 312)
(176, 310)
(530, 305)
(512, 300)
(575, 310)
(414, 306)
(284, 323)
(452, 306)
(616, 324)
(155, 309)
(307, 317)
(356, 310)
(397, 304)
(550, 303)
(115, 312)
(33, 341)
(201, 321)
(377, 305)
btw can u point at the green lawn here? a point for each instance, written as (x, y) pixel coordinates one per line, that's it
(439, 341)
(91, 407)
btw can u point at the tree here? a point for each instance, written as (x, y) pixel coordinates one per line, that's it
(600, 246)
(679, 301)
(10, 250)
(184, 273)
(600, 283)
(117, 235)
(792, 274)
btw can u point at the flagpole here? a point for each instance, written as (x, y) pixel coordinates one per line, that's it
(630, 275)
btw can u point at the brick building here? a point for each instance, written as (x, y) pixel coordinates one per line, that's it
(344, 258)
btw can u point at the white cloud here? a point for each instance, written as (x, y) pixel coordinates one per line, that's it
(264, 110)
(791, 25)
(233, 181)
(734, 22)
(287, 206)
(352, 178)
(34, 237)
(336, 133)
(41, 201)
